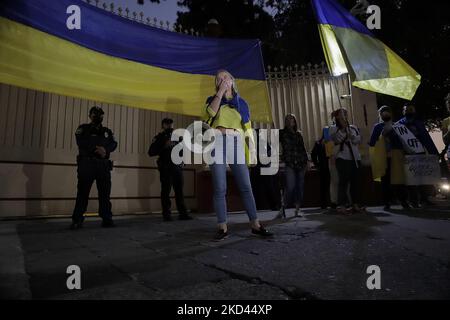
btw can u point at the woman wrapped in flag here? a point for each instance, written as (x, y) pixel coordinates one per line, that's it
(229, 114)
(387, 158)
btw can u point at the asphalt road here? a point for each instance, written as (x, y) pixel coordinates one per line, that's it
(320, 256)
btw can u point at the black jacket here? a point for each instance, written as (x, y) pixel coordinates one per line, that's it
(89, 136)
(293, 153)
(159, 148)
(319, 156)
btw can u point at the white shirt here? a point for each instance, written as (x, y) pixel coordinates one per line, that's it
(351, 138)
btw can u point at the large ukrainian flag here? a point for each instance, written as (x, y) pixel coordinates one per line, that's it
(351, 48)
(116, 60)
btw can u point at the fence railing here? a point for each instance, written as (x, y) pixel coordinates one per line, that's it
(140, 17)
(310, 93)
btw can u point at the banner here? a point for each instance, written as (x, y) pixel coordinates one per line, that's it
(410, 143)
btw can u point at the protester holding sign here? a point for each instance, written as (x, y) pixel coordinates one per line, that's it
(387, 157)
(423, 142)
(417, 128)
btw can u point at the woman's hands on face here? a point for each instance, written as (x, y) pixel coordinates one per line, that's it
(224, 86)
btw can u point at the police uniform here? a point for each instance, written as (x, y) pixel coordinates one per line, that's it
(170, 174)
(91, 166)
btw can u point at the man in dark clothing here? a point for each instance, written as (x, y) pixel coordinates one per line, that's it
(95, 144)
(170, 174)
(320, 160)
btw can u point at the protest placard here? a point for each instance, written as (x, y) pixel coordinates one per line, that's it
(422, 169)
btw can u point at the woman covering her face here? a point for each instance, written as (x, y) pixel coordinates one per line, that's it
(229, 114)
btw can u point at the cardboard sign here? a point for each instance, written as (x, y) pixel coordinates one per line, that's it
(410, 143)
(422, 170)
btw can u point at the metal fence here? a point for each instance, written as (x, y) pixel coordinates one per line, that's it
(140, 17)
(310, 93)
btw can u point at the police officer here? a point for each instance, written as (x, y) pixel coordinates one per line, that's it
(170, 174)
(95, 144)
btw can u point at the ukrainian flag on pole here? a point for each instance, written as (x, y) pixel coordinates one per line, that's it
(112, 59)
(350, 47)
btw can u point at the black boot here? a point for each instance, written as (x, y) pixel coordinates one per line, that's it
(184, 216)
(108, 224)
(76, 225)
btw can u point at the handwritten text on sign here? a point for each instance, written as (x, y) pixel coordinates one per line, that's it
(422, 170)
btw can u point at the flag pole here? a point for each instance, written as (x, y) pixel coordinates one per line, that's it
(351, 97)
(345, 96)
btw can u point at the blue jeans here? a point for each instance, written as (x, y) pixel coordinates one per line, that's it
(240, 173)
(295, 180)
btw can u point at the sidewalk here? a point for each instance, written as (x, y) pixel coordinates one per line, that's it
(316, 257)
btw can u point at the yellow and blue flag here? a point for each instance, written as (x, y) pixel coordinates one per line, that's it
(116, 60)
(351, 48)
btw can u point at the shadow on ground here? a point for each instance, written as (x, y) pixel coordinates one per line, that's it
(358, 226)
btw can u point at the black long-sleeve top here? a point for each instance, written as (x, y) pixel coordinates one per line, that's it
(319, 156)
(89, 136)
(159, 147)
(293, 148)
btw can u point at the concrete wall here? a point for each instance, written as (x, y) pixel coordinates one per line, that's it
(38, 152)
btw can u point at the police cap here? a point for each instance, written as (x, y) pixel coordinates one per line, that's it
(97, 110)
